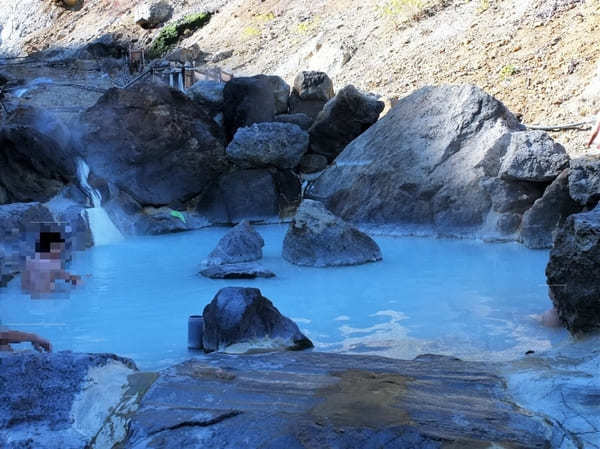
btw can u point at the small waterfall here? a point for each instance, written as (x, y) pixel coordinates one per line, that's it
(103, 229)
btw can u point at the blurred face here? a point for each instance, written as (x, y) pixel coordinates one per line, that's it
(56, 249)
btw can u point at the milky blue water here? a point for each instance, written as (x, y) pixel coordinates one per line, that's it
(465, 298)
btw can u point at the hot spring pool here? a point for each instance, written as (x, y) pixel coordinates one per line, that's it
(464, 298)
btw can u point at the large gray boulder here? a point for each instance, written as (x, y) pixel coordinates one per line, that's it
(254, 99)
(310, 93)
(243, 317)
(572, 272)
(151, 13)
(281, 145)
(343, 118)
(256, 195)
(37, 157)
(542, 221)
(533, 156)
(208, 94)
(154, 143)
(429, 162)
(584, 180)
(62, 400)
(240, 244)
(318, 238)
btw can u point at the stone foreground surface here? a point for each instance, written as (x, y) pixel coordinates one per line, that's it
(287, 400)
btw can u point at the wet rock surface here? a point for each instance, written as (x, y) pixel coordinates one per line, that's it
(242, 270)
(58, 400)
(241, 319)
(318, 238)
(305, 400)
(572, 272)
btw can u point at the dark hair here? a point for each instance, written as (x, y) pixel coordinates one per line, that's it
(46, 239)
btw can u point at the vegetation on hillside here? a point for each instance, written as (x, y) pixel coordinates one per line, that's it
(171, 33)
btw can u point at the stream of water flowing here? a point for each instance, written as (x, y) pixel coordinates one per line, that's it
(464, 298)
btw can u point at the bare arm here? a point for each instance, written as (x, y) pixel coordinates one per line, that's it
(8, 337)
(62, 274)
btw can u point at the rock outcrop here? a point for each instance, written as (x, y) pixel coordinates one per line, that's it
(63, 400)
(542, 221)
(255, 99)
(318, 238)
(256, 195)
(241, 320)
(572, 272)
(154, 143)
(36, 157)
(240, 244)
(533, 156)
(584, 180)
(208, 94)
(280, 145)
(151, 13)
(343, 118)
(310, 93)
(315, 400)
(435, 161)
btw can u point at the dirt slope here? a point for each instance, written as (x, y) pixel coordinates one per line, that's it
(537, 56)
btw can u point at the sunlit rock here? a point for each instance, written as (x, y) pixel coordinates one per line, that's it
(318, 238)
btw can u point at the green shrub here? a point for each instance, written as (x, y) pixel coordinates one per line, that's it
(171, 33)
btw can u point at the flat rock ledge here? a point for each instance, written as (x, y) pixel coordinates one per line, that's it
(279, 400)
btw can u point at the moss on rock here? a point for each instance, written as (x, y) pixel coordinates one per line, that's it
(171, 33)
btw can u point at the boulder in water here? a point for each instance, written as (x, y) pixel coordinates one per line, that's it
(244, 318)
(154, 143)
(281, 145)
(241, 244)
(572, 272)
(318, 238)
(343, 118)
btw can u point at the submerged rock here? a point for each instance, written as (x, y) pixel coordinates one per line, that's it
(244, 318)
(343, 118)
(533, 156)
(244, 270)
(154, 143)
(281, 145)
(572, 272)
(241, 244)
(318, 238)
